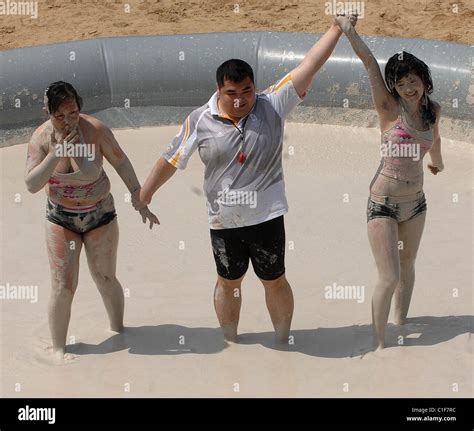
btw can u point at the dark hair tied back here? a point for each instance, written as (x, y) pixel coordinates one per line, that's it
(57, 93)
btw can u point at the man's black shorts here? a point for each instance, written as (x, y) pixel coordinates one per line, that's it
(263, 244)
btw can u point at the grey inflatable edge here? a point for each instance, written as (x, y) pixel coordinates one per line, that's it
(126, 74)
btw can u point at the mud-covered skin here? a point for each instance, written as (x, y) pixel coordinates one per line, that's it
(76, 185)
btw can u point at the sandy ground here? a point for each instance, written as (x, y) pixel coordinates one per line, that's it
(168, 275)
(61, 20)
(172, 346)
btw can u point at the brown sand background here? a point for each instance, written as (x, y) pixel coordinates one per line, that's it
(61, 21)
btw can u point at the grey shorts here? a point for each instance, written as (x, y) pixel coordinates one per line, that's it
(82, 222)
(400, 208)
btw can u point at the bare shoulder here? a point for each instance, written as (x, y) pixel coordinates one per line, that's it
(41, 137)
(92, 124)
(95, 130)
(437, 108)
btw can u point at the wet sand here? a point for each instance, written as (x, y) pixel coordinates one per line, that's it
(172, 346)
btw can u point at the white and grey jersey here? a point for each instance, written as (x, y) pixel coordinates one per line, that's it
(246, 191)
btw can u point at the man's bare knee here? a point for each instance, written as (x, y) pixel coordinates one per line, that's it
(229, 284)
(276, 283)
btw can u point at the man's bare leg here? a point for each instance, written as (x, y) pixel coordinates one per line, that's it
(279, 299)
(227, 302)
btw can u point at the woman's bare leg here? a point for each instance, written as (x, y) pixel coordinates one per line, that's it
(64, 248)
(101, 249)
(409, 232)
(383, 238)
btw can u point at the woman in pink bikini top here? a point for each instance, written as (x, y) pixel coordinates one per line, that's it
(396, 208)
(403, 148)
(65, 157)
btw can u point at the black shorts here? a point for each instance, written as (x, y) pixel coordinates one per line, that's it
(263, 244)
(82, 222)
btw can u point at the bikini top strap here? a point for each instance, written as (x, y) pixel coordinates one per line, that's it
(403, 116)
(401, 111)
(399, 116)
(81, 135)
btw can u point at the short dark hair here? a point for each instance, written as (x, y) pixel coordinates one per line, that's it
(234, 70)
(57, 93)
(400, 65)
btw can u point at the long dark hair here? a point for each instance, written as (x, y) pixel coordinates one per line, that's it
(57, 93)
(399, 66)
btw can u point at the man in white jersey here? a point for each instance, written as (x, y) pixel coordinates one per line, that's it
(239, 136)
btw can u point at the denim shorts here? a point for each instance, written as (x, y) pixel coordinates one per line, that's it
(400, 208)
(82, 222)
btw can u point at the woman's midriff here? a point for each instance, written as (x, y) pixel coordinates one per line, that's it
(64, 190)
(383, 185)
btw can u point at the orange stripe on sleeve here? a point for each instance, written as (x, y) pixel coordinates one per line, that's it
(282, 83)
(177, 155)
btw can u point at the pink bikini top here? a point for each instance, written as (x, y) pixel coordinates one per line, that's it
(90, 179)
(403, 148)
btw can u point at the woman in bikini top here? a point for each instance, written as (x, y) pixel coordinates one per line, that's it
(396, 207)
(65, 156)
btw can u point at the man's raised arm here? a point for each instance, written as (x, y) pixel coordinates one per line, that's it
(303, 74)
